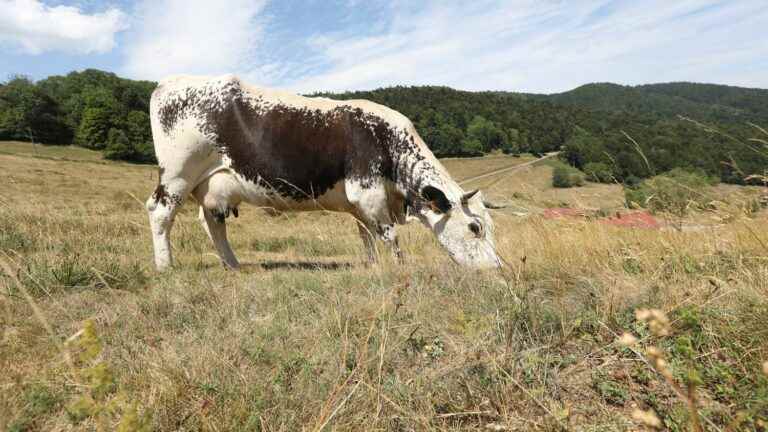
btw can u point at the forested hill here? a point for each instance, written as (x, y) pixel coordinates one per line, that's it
(704, 102)
(596, 124)
(461, 123)
(591, 124)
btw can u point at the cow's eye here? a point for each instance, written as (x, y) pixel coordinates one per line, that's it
(476, 229)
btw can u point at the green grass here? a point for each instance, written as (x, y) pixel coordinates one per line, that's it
(39, 401)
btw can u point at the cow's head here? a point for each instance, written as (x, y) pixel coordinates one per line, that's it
(462, 226)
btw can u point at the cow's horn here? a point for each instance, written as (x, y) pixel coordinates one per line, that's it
(467, 196)
(492, 206)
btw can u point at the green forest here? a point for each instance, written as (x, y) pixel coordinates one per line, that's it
(612, 132)
(92, 109)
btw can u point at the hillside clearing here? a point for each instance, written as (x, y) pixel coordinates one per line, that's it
(306, 337)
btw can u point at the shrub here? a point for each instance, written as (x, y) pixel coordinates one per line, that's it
(632, 181)
(676, 191)
(94, 128)
(121, 147)
(599, 172)
(566, 176)
(471, 147)
(145, 152)
(118, 146)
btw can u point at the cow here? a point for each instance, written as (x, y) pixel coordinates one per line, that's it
(225, 142)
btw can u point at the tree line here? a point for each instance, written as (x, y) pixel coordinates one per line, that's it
(93, 109)
(459, 123)
(612, 132)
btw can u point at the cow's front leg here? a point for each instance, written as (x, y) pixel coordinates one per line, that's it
(374, 217)
(388, 234)
(162, 207)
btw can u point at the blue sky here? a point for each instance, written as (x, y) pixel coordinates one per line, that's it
(519, 45)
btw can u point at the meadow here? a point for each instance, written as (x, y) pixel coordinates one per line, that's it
(307, 337)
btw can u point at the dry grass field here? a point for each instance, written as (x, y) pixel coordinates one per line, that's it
(307, 338)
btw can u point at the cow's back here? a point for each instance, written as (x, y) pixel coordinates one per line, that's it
(298, 146)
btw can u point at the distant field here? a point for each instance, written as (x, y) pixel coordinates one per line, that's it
(72, 153)
(464, 168)
(307, 337)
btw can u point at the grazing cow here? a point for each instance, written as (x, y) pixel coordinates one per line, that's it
(226, 142)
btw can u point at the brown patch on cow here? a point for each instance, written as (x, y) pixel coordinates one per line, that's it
(299, 153)
(302, 153)
(175, 108)
(160, 195)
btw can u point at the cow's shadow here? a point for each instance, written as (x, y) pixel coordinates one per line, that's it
(297, 265)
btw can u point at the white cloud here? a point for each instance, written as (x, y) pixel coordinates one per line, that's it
(35, 28)
(193, 37)
(548, 45)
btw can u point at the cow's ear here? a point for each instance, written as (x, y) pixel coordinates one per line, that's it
(436, 199)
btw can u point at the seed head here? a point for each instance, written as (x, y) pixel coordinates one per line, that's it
(653, 353)
(647, 418)
(656, 319)
(657, 360)
(627, 340)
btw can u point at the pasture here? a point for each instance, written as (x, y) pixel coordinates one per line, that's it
(308, 337)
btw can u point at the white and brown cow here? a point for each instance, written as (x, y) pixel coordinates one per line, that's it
(226, 142)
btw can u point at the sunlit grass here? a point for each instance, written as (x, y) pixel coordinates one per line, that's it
(307, 337)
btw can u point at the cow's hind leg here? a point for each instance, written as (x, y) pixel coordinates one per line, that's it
(215, 226)
(162, 207)
(374, 217)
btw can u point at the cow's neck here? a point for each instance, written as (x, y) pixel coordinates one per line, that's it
(417, 167)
